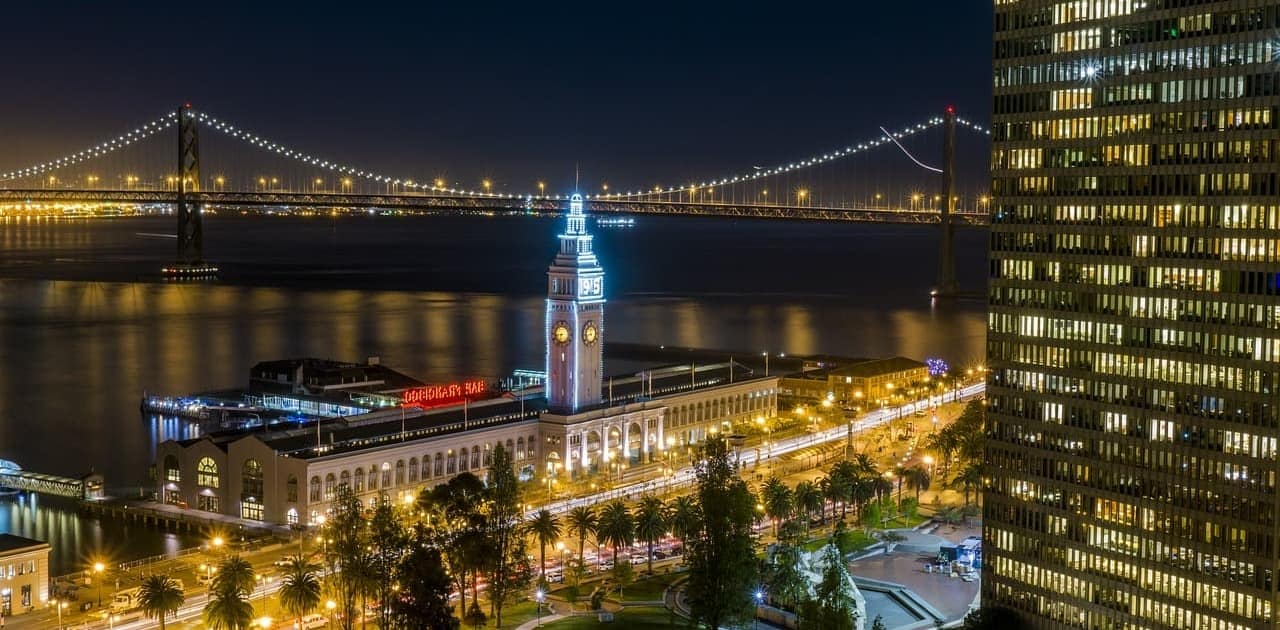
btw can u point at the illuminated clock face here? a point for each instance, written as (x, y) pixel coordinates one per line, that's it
(589, 333)
(561, 333)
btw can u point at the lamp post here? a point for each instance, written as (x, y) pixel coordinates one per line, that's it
(759, 601)
(98, 568)
(330, 606)
(60, 605)
(538, 595)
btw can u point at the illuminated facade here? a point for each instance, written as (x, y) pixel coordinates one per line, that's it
(575, 318)
(1134, 331)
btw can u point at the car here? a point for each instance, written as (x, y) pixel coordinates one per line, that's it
(606, 565)
(969, 577)
(204, 578)
(310, 622)
(284, 561)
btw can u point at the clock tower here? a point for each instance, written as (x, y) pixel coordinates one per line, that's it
(575, 318)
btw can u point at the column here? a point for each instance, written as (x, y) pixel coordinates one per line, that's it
(644, 441)
(582, 463)
(626, 441)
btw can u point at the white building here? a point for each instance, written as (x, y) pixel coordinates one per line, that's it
(586, 423)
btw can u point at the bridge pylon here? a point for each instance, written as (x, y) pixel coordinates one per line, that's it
(190, 259)
(948, 286)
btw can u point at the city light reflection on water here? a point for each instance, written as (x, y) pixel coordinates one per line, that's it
(439, 299)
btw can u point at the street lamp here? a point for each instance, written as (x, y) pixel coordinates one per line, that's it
(330, 606)
(60, 606)
(538, 595)
(759, 601)
(98, 568)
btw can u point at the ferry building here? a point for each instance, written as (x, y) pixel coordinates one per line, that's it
(581, 422)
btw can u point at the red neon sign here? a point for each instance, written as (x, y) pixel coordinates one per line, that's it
(437, 395)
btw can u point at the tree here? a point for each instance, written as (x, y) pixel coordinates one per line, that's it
(723, 573)
(918, 479)
(833, 607)
(778, 501)
(878, 624)
(234, 573)
(872, 517)
(623, 573)
(300, 588)
(616, 528)
(347, 533)
(388, 543)
(788, 587)
(544, 527)
(993, 618)
(685, 518)
(969, 478)
(160, 597)
(808, 499)
(509, 569)
(458, 499)
(844, 477)
(475, 616)
(423, 598)
(228, 608)
(582, 522)
(651, 524)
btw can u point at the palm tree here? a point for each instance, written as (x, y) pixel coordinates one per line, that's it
(546, 527)
(917, 478)
(234, 573)
(228, 608)
(778, 501)
(616, 528)
(160, 596)
(651, 523)
(684, 518)
(969, 478)
(808, 499)
(582, 521)
(300, 587)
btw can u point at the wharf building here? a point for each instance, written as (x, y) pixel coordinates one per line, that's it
(24, 574)
(580, 422)
(1134, 326)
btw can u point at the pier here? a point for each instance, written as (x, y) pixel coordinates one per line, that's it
(12, 476)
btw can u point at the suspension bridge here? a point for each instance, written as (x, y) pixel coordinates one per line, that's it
(844, 184)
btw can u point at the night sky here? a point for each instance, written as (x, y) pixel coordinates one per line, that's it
(636, 94)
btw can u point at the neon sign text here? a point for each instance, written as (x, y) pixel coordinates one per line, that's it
(436, 395)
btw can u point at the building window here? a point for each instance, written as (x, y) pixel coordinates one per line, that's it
(26, 595)
(400, 472)
(413, 469)
(439, 467)
(359, 481)
(251, 480)
(207, 503)
(475, 456)
(251, 510)
(291, 490)
(373, 478)
(330, 485)
(207, 473)
(291, 517)
(344, 479)
(386, 476)
(315, 489)
(171, 471)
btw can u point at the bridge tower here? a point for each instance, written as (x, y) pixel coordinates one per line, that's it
(190, 260)
(947, 284)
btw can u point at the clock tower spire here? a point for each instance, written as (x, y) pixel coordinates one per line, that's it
(575, 318)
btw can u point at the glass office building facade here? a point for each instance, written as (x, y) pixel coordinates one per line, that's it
(1134, 331)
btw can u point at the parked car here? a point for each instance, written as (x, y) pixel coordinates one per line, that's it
(310, 622)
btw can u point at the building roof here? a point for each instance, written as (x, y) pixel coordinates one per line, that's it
(9, 542)
(879, 367)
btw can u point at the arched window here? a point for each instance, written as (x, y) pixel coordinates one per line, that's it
(373, 477)
(330, 484)
(291, 490)
(251, 479)
(386, 475)
(511, 450)
(463, 458)
(475, 456)
(315, 488)
(344, 479)
(399, 472)
(413, 469)
(453, 462)
(291, 517)
(171, 470)
(359, 487)
(207, 472)
(439, 467)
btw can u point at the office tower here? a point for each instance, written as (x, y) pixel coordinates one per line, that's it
(1134, 328)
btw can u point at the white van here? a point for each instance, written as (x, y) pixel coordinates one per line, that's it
(311, 622)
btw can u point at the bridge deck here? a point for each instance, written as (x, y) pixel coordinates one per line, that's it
(418, 201)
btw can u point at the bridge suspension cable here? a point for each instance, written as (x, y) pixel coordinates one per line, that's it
(103, 148)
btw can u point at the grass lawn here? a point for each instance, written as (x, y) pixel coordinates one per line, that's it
(854, 540)
(512, 614)
(638, 618)
(649, 589)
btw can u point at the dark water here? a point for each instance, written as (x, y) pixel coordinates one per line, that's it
(86, 326)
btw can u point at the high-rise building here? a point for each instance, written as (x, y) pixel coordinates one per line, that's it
(575, 318)
(1134, 327)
